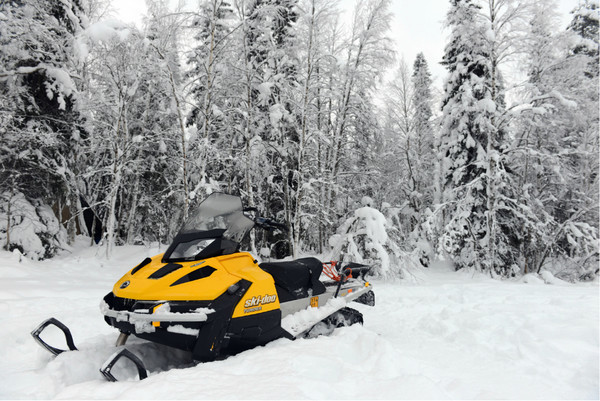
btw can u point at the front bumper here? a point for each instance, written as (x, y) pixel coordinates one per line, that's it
(158, 315)
(139, 317)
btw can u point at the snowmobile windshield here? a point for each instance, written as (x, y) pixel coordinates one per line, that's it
(215, 227)
(219, 211)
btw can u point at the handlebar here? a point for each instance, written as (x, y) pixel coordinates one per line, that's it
(263, 222)
(269, 224)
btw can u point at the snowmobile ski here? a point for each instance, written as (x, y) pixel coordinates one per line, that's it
(54, 322)
(110, 362)
(124, 353)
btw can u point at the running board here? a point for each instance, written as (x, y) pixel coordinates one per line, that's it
(124, 353)
(54, 322)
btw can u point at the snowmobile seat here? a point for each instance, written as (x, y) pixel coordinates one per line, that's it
(296, 279)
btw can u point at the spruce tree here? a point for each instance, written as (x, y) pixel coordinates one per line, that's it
(423, 134)
(464, 137)
(585, 25)
(421, 79)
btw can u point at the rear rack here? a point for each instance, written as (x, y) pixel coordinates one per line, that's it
(330, 270)
(335, 271)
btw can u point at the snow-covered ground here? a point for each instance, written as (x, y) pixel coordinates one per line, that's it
(444, 335)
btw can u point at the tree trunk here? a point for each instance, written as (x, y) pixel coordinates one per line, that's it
(111, 218)
(74, 210)
(8, 218)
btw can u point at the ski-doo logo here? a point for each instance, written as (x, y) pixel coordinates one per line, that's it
(256, 301)
(124, 285)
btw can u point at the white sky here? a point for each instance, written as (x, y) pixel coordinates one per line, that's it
(417, 27)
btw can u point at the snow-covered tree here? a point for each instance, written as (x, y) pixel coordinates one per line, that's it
(131, 165)
(409, 142)
(424, 135)
(269, 41)
(464, 136)
(350, 87)
(209, 92)
(311, 31)
(483, 211)
(368, 237)
(400, 129)
(556, 150)
(40, 121)
(585, 25)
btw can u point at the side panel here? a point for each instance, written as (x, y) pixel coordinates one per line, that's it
(288, 308)
(251, 331)
(261, 297)
(212, 342)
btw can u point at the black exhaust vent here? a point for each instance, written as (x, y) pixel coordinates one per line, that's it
(138, 267)
(166, 269)
(197, 274)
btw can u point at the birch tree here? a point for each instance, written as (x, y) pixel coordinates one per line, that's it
(211, 27)
(315, 18)
(366, 51)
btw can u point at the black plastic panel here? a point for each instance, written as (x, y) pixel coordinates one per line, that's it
(166, 269)
(138, 267)
(197, 274)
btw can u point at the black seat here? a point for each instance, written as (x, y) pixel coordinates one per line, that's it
(296, 279)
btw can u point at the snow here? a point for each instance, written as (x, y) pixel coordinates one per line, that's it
(487, 105)
(199, 314)
(373, 220)
(101, 31)
(276, 113)
(564, 101)
(264, 90)
(177, 328)
(445, 335)
(300, 321)
(104, 31)
(29, 223)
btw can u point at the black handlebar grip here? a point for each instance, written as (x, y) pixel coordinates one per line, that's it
(269, 224)
(280, 225)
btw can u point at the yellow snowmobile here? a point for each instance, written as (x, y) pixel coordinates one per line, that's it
(205, 296)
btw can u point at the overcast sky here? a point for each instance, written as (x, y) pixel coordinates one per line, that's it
(417, 26)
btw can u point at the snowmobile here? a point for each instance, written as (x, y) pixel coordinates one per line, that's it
(206, 297)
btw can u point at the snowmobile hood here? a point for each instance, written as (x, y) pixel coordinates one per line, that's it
(203, 280)
(182, 281)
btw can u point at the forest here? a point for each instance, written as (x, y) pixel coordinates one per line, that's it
(117, 132)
